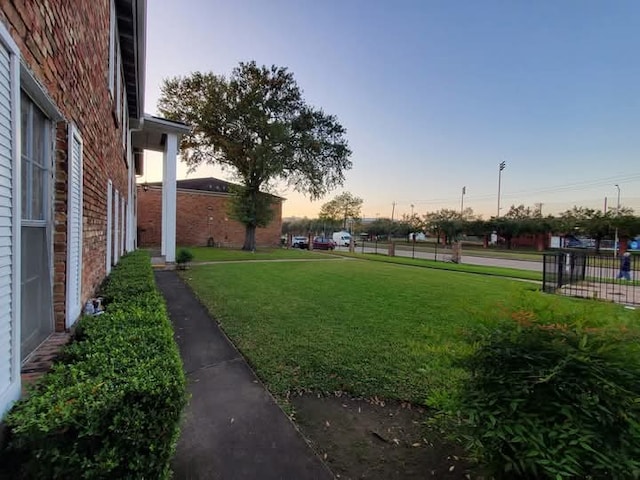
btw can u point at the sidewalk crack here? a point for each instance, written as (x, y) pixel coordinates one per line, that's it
(211, 365)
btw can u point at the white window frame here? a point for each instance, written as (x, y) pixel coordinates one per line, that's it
(109, 250)
(74, 305)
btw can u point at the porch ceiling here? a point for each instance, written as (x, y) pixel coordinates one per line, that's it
(153, 132)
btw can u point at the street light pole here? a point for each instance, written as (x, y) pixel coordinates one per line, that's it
(464, 190)
(615, 245)
(501, 167)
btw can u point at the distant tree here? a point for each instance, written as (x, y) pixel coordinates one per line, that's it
(521, 212)
(593, 223)
(446, 221)
(345, 207)
(257, 124)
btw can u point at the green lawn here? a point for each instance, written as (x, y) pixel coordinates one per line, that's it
(210, 254)
(368, 328)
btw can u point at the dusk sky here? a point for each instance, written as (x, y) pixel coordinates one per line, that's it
(435, 94)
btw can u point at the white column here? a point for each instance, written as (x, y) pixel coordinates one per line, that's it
(169, 199)
(163, 243)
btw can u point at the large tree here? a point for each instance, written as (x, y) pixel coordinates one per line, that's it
(256, 124)
(345, 207)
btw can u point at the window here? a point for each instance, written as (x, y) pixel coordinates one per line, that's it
(125, 124)
(36, 161)
(112, 46)
(118, 98)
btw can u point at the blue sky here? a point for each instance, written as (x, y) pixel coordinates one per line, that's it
(435, 94)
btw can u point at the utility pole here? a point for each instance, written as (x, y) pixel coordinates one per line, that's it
(500, 168)
(539, 207)
(464, 190)
(393, 210)
(615, 245)
(605, 205)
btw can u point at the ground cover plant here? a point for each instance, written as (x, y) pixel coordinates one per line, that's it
(553, 400)
(111, 407)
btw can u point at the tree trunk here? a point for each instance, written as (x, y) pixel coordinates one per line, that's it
(249, 238)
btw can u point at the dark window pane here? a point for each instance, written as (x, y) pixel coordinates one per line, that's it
(24, 122)
(25, 187)
(39, 138)
(37, 204)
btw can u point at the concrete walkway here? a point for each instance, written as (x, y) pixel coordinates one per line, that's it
(232, 428)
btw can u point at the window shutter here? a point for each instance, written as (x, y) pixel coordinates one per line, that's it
(9, 222)
(74, 228)
(109, 224)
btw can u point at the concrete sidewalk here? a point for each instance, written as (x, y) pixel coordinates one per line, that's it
(232, 427)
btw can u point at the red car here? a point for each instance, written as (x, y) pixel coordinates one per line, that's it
(323, 243)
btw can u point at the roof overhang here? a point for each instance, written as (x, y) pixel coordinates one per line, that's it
(152, 132)
(132, 30)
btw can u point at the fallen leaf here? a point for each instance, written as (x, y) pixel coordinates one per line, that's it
(416, 444)
(327, 423)
(452, 468)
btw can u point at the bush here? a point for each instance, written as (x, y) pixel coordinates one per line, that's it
(554, 401)
(183, 257)
(112, 408)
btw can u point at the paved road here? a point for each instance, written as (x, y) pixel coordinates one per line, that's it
(446, 256)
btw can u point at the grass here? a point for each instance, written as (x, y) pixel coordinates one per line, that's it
(367, 328)
(455, 267)
(210, 254)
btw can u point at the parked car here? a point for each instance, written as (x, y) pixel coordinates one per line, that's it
(299, 242)
(323, 243)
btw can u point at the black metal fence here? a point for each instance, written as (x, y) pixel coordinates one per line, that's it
(605, 277)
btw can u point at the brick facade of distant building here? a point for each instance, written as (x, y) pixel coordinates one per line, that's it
(201, 217)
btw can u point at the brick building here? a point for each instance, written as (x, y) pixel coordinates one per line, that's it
(201, 216)
(71, 94)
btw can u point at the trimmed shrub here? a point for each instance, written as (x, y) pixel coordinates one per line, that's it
(554, 401)
(111, 408)
(183, 257)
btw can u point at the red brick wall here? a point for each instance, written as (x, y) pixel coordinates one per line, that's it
(200, 216)
(66, 46)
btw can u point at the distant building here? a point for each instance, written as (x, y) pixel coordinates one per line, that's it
(201, 216)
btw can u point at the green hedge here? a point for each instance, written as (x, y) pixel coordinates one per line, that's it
(111, 408)
(557, 401)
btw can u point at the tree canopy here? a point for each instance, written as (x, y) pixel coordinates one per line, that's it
(343, 208)
(256, 124)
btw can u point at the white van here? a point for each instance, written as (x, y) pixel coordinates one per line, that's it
(342, 239)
